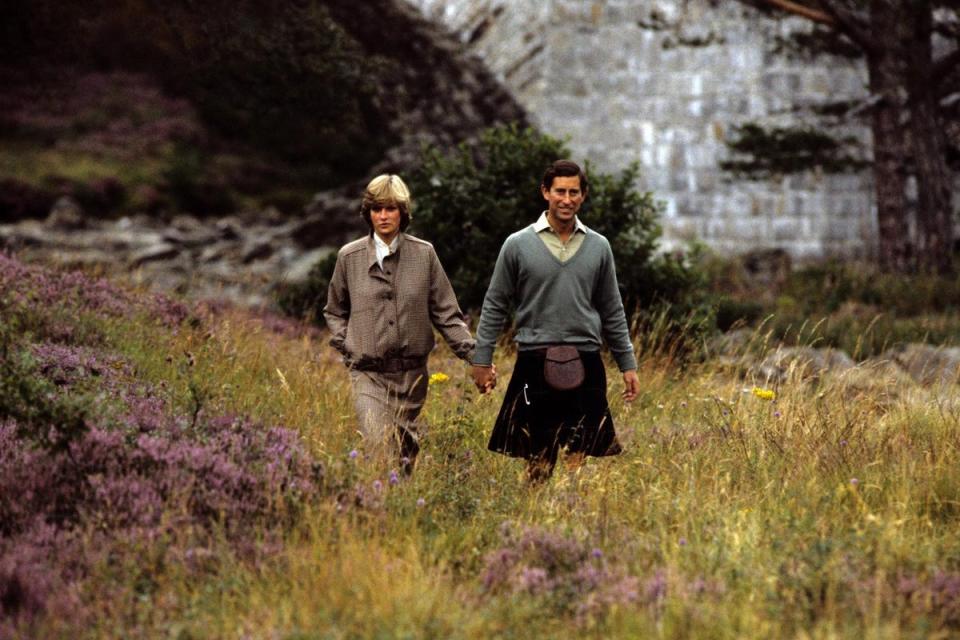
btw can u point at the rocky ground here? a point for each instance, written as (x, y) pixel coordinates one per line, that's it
(242, 259)
(239, 259)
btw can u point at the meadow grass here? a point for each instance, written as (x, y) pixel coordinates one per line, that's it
(829, 511)
(825, 507)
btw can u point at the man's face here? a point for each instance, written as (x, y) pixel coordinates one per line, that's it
(386, 220)
(564, 198)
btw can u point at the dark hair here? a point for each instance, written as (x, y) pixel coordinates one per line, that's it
(383, 190)
(565, 169)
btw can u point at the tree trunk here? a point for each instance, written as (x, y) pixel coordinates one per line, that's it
(929, 146)
(889, 145)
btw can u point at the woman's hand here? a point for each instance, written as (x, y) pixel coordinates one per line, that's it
(485, 377)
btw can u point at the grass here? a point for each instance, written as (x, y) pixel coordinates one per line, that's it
(830, 511)
(33, 165)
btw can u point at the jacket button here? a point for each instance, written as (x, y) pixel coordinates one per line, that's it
(391, 323)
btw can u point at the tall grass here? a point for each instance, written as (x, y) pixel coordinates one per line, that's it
(829, 511)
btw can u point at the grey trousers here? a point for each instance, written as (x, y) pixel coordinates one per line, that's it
(388, 406)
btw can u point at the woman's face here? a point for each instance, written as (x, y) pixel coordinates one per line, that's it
(386, 220)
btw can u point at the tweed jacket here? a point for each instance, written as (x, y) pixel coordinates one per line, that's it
(376, 314)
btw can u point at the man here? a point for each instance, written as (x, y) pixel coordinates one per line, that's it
(560, 278)
(387, 294)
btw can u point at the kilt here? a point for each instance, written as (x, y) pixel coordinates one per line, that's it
(536, 421)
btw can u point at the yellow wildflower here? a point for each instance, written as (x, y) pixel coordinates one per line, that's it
(438, 377)
(763, 394)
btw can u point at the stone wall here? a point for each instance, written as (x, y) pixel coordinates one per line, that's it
(662, 83)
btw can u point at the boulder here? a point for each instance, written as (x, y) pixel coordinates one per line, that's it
(802, 362)
(256, 249)
(299, 268)
(154, 253)
(927, 364)
(65, 215)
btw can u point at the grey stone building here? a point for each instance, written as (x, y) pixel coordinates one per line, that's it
(662, 83)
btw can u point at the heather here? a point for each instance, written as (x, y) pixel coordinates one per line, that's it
(199, 474)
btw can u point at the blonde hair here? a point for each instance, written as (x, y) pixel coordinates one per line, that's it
(383, 190)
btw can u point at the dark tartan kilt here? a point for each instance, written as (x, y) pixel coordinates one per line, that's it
(578, 420)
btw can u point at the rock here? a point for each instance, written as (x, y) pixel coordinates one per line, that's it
(300, 268)
(228, 229)
(803, 362)
(153, 253)
(26, 234)
(331, 218)
(196, 238)
(730, 343)
(925, 363)
(66, 214)
(215, 252)
(256, 250)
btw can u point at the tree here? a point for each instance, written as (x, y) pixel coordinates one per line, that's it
(907, 81)
(466, 201)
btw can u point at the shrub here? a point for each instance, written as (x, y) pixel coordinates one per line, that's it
(467, 203)
(20, 200)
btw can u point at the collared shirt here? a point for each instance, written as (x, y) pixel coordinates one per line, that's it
(376, 313)
(561, 250)
(384, 249)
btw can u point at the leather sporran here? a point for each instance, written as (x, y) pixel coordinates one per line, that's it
(563, 368)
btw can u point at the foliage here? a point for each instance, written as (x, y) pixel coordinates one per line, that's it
(260, 52)
(42, 418)
(191, 188)
(467, 203)
(853, 307)
(284, 91)
(823, 507)
(762, 153)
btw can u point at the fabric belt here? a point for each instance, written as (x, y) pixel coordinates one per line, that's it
(391, 365)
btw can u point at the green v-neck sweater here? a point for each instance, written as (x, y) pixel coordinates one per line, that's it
(574, 302)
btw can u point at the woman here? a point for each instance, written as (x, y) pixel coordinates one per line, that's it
(387, 293)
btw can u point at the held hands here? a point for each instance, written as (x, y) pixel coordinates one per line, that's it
(631, 385)
(485, 377)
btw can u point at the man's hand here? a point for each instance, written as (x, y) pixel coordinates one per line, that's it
(485, 377)
(631, 385)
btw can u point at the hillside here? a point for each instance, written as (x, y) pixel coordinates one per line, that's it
(210, 108)
(196, 472)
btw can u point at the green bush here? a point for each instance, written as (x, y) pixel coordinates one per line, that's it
(826, 287)
(468, 202)
(43, 417)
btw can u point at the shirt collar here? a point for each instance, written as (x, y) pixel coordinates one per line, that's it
(373, 241)
(378, 241)
(542, 225)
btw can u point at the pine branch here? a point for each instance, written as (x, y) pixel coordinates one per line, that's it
(852, 24)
